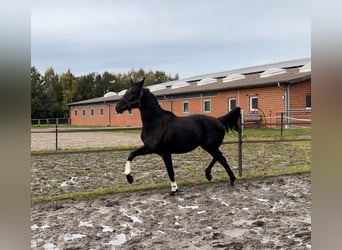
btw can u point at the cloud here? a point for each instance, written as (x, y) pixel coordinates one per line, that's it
(104, 34)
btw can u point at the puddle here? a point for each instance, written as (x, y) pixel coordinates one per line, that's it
(107, 229)
(86, 224)
(69, 182)
(236, 232)
(189, 207)
(262, 200)
(201, 212)
(220, 200)
(35, 227)
(50, 246)
(73, 237)
(132, 217)
(118, 241)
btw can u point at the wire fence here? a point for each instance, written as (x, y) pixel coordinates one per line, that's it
(61, 140)
(291, 119)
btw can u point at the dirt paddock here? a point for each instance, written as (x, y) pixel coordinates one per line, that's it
(268, 213)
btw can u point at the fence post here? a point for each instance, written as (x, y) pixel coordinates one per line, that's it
(240, 147)
(56, 135)
(281, 125)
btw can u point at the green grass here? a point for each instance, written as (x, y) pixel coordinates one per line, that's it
(256, 152)
(247, 174)
(261, 133)
(248, 132)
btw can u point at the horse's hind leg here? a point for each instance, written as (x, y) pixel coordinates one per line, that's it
(208, 169)
(168, 163)
(217, 154)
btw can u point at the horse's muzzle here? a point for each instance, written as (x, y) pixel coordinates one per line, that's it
(119, 108)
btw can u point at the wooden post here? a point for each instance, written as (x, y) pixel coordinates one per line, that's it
(240, 147)
(56, 136)
(281, 125)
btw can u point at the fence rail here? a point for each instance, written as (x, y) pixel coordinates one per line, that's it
(240, 142)
(49, 121)
(299, 118)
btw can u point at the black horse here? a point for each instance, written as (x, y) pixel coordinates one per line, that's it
(164, 133)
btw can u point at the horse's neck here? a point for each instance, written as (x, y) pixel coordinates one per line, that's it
(150, 110)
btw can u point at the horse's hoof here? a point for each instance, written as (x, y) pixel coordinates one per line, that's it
(232, 181)
(129, 178)
(173, 193)
(208, 176)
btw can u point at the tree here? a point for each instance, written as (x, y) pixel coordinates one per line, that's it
(50, 93)
(68, 84)
(37, 87)
(52, 96)
(85, 87)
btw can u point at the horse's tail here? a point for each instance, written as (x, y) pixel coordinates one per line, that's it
(232, 120)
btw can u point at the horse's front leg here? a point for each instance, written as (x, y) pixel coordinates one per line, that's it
(128, 168)
(168, 163)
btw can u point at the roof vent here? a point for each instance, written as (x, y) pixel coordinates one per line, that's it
(305, 68)
(122, 92)
(180, 85)
(110, 93)
(233, 77)
(272, 72)
(206, 81)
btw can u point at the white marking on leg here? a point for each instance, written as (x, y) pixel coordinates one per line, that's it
(128, 168)
(174, 186)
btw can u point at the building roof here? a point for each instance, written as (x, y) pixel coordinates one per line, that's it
(262, 75)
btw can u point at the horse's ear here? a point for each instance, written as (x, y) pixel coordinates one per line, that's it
(141, 83)
(132, 83)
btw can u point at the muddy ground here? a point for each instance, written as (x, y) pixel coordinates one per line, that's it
(269, 213)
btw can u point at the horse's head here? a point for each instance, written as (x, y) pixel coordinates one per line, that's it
(131, 98)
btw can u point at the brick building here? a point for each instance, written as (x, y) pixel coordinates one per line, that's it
(263, 92)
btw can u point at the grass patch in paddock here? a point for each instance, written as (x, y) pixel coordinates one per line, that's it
(255, 134)
(99, 172)
(248, 174)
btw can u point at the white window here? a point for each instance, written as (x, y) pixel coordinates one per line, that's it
(253, 103)
(83, 112)
(75, 112)
(231, 103)
(206, 106)
(186, 106)
(101, 112)
(92, 112)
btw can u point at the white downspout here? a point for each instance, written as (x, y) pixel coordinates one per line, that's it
(287, 102)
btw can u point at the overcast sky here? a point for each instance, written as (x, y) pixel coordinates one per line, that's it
(180, 36)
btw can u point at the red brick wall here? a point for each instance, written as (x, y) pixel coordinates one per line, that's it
(88, 119)
(270, 102)
(298, 94)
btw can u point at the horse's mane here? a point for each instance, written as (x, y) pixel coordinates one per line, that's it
(156, 100)
(154, 97)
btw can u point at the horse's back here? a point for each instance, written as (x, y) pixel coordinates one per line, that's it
(184, 134)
